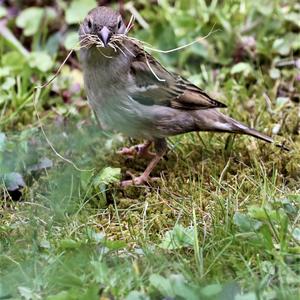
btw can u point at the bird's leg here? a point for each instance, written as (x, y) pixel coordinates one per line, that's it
(161, 148)
(141, 150)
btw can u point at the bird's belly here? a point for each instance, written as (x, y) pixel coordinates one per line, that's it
(121, 113)
(115, 113)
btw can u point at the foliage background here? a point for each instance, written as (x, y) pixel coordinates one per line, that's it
(223, 222)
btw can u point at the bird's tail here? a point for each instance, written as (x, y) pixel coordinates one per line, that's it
(257, 134)
(213, 120)
(243, 129)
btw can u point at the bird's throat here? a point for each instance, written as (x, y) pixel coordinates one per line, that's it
(104, 52)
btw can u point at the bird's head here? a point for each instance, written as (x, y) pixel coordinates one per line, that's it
(102, 23)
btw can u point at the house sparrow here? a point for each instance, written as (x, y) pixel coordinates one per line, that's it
(133, 93)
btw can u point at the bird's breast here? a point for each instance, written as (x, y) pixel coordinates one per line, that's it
(108, 88)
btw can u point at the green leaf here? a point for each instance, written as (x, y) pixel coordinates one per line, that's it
(211, 290)
(3, 11)
(263, 214)
(78, 9)
(296, 234)
(4, 72)
(115, 245)
(26, 293)
(45, 244)
(13, 60)
(178, 237)
(53, 43)
(71, 40)
(136, 295)
(268, 267)
(162, 284)
(30, 19)
(174, 286)
(248, 296)
(274, 73)
(101, 271)
(8, 83)
(4, 291)
(40, 60)
(96, 236)
(92, 293)
(280, 101)
(12, 40)
(294, 197)
(2, 141)
(282, 46)
(229, 291)
(107, 175)
(265, 7)
(245, 223)
(69, 244)
(182, 289)
(241, 67)
(60, 296)
(85, 179)
(44, 163)
(293, 17)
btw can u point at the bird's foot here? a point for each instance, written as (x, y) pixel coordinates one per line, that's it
(136, 181)
(140, 150)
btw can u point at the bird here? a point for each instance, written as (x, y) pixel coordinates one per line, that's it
(132, 93)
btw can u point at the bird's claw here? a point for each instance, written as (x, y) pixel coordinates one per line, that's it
(140, 150)
(136, 181)
(127, 151)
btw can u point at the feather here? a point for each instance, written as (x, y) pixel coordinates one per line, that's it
(171, 90)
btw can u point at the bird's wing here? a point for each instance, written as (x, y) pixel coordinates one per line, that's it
(154, 85)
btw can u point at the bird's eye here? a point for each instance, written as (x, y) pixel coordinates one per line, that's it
(119, 24)
(89, 24)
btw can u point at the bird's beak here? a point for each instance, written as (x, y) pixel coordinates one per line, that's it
(105, 35)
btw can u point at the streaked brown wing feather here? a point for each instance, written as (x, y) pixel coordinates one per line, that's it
(171, 90)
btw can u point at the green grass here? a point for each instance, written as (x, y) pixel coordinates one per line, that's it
(223, 221)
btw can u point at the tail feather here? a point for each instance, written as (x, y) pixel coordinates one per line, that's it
(213, 120)
(243, 129)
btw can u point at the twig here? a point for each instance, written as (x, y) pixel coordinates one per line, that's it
(57, 72)
(183, 46)
(149, 66)
(268, 103)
